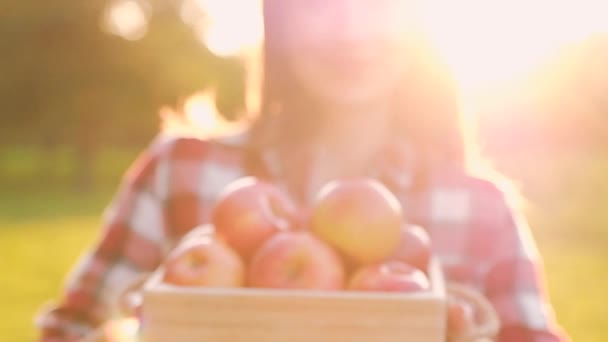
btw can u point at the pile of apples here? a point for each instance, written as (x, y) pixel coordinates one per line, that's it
(353, 237)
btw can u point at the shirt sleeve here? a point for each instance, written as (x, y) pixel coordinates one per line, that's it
(132, 243)
(515, 283)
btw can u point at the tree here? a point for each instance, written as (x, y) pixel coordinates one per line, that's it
(66, 82)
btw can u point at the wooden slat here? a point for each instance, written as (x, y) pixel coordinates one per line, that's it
(200, 314)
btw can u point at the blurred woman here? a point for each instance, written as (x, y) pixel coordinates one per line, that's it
(347, 88)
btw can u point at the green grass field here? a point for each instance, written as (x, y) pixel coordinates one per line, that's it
(44, 228)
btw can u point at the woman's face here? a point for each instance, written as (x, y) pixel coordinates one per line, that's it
(346, 52)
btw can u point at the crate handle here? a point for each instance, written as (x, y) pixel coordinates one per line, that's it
(489, 323)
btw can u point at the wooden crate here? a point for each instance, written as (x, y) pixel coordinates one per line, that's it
(180, 314)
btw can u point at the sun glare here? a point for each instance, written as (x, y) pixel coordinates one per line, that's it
(485, 41)
(125, 330)
(226, 27)
(200, 109)
(198, 117)
(127, 19)
(489, 42)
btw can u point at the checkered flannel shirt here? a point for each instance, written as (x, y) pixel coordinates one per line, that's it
(478, 237)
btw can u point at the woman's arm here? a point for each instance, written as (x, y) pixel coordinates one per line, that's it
(132, 243)
(515, 282)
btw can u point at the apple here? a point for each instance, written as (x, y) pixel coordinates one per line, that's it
(301, 218)
(393, 276)
(204, 261)
(249, 211)
(461, 317)
(296, 260)
(201, 231)
(360, 217)
(414, 247)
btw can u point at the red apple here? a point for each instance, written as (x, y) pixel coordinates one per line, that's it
(204, 261)
(393, 276)
(414, 247)
(359, 217)
(301, 219)
(201, 231)
(249, 211)
(296, 260)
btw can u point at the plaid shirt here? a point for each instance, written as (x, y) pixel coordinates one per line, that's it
(169, 190)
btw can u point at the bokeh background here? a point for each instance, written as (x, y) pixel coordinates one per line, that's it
(82, 83)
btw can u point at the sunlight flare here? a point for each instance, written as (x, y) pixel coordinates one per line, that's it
(485, 42)
(226, 27)
(489, 42)
(127, 19)
(198, 117)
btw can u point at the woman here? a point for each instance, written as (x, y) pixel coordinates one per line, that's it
(347, 89)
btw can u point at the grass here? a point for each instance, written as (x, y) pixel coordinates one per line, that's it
(567, 211)
(44, 228)
(38, 258)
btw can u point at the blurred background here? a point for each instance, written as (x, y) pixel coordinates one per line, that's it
(82, 84)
